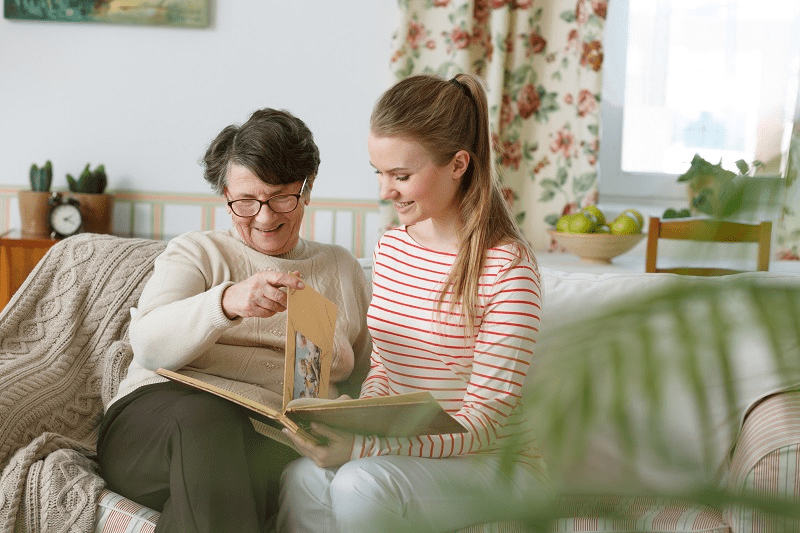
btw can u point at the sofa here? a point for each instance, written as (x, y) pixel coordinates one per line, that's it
(64, 348)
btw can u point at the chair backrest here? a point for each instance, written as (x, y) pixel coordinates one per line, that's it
(710, 231)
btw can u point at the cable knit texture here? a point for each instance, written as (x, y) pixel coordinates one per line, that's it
(63, 351)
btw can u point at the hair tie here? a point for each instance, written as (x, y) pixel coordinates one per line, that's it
(461, 86)
(474, 106)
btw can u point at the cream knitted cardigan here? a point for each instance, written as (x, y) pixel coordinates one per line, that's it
(180, 324)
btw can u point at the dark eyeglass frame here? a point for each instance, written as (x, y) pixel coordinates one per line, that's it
(266, 202)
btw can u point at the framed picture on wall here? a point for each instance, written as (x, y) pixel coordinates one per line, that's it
(190, 13)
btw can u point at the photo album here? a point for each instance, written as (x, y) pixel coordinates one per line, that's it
(310, 327)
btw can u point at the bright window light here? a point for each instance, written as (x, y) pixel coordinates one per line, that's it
(714, 77)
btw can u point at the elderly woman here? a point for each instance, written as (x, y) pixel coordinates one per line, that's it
(215, 308)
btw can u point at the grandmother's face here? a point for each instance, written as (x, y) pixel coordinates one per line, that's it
(268, 232)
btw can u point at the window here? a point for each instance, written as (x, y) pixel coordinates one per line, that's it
(714, 77)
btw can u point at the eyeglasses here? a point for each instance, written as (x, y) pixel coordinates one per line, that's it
(280, 203)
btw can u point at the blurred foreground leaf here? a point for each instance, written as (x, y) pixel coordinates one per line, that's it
(664, 379)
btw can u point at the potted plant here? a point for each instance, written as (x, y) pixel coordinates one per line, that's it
(33, 203)
(96, 206)
(716, 191)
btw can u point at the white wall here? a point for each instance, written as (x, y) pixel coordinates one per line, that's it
(146, 100)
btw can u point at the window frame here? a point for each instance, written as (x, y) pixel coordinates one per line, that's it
(618, 189)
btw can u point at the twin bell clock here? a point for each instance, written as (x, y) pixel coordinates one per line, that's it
(64, 216)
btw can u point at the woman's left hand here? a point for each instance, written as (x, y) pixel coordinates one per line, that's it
(335, 453)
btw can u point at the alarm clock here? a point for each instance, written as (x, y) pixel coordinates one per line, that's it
(64, 216)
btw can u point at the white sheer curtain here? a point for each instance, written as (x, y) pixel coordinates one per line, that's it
(715, 77)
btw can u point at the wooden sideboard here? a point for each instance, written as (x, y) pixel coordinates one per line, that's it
(19, 253)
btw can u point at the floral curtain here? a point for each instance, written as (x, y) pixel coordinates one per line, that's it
(542, 62)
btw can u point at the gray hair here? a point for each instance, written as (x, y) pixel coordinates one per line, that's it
(273, 144)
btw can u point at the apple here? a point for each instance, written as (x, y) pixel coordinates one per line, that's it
(625, 225)
(594, 214)
(563, 223)
(602, 229)
(636, 215)
(580, 223)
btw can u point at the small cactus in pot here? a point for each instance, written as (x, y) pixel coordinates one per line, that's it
(32, 203)
(90, 181)
(96, 204)
(41, 178)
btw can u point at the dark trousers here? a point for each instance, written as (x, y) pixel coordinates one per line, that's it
(192, 456)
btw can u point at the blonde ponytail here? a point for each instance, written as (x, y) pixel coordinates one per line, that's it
(445, 117)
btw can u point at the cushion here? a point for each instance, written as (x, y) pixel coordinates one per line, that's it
(625, 514)
(766, 461)
(116, 514)
(569, 293)
(584, 347)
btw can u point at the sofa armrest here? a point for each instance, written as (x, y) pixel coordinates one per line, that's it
(766, 461)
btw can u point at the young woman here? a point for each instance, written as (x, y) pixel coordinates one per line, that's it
(455, 310)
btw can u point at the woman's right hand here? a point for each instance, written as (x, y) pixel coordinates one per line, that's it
(261, 295)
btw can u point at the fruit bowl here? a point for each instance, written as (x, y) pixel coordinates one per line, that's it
(596, 247)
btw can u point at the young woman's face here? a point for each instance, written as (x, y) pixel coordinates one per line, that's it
(268, 232)
(408, 177)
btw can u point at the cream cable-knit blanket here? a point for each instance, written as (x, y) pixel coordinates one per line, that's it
(63, 351)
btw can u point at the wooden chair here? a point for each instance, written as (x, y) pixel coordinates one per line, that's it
(709, 231)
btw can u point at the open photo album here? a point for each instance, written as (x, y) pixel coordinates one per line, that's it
(310, 327)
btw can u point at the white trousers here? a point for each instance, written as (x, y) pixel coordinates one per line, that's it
(403, 494)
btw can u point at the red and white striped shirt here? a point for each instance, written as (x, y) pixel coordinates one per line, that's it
(416, 347)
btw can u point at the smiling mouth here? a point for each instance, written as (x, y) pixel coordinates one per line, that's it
(273, 230)
(401, 205)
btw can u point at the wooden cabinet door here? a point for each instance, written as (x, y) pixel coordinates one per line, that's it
(18, 256)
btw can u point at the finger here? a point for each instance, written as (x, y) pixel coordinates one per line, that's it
(271, 303)
(328, 432)
(281, 279)
(269, 293)
(318, 454)
(306, 448)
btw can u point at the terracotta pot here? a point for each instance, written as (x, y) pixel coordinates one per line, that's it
(33, 210)
(96, 210)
